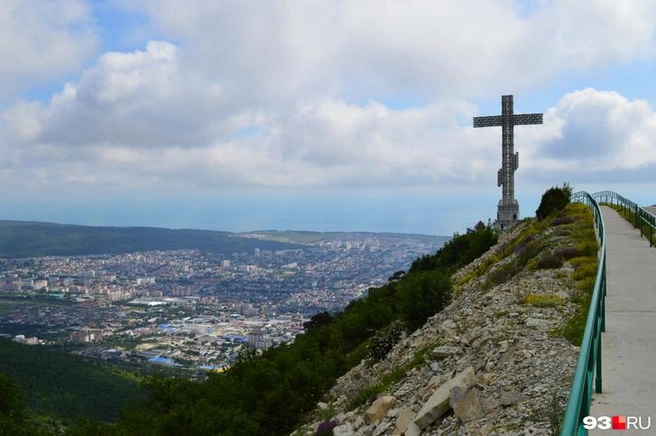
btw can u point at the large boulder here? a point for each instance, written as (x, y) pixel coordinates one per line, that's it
(469, 407)
(379, 408)
(438, 404)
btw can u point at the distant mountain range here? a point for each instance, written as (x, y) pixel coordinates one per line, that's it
(307, 237)
(19, 239)
(33, 239)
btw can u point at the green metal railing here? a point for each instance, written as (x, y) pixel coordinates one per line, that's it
(638, 216)
(588, 367)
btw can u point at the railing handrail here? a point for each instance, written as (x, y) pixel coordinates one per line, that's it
(589, 362)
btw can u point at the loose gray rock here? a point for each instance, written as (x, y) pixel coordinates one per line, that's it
(344, 430)
(445, 351)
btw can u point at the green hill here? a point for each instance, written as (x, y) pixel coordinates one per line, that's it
(33, 239)
(66, 386)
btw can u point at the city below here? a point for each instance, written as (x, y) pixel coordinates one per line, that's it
(190, 310)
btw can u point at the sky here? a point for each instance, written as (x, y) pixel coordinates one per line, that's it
(351, 115)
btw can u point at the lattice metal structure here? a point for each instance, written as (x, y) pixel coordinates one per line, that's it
(508, 208)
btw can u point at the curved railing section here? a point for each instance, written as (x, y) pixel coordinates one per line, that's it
(638, 216)
(588, 367)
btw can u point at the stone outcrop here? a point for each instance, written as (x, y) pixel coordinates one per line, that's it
(489, 364)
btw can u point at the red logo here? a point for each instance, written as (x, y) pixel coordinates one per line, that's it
(618, 422)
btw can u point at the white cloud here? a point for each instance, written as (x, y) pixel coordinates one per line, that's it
(373, 144)
(272, 52)
(271, 94)
(597, 132)
(140, 99)
(42, 40)
(596, 33)
(325, 142)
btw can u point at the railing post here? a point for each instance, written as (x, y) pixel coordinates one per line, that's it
(635, 216)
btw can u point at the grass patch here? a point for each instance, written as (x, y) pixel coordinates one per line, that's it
(523, 245)
(542, 300)
(366, 394)
(562, 220)
(501, 314)
(478, 271)
(574, 328)
(383, 385)
(586, 270)
(586, 285)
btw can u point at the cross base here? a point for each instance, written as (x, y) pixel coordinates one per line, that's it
(507, 215)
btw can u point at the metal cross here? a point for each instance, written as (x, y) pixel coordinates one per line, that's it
(508, 210)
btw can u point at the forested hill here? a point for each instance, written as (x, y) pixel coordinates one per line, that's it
(33, 239)
(66, 386)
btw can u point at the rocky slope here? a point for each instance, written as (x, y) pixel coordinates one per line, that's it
(494, 362)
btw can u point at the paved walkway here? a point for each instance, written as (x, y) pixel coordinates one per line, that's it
(629, 343)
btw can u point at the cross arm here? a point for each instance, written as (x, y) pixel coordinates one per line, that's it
(515, 120)
(527, 119)
(494, 120)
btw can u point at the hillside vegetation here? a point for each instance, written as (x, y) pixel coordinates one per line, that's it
(33, 239)
(66, 386)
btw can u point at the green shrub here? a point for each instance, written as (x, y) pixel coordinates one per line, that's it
(503, 274)
(458, 252)
(580, 260)
(317, 321)
(553, 200)
(562, 220)
(569, 253)
(384, 340)
(549, 262)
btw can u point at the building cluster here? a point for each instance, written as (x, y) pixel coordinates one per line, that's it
(192, 309)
